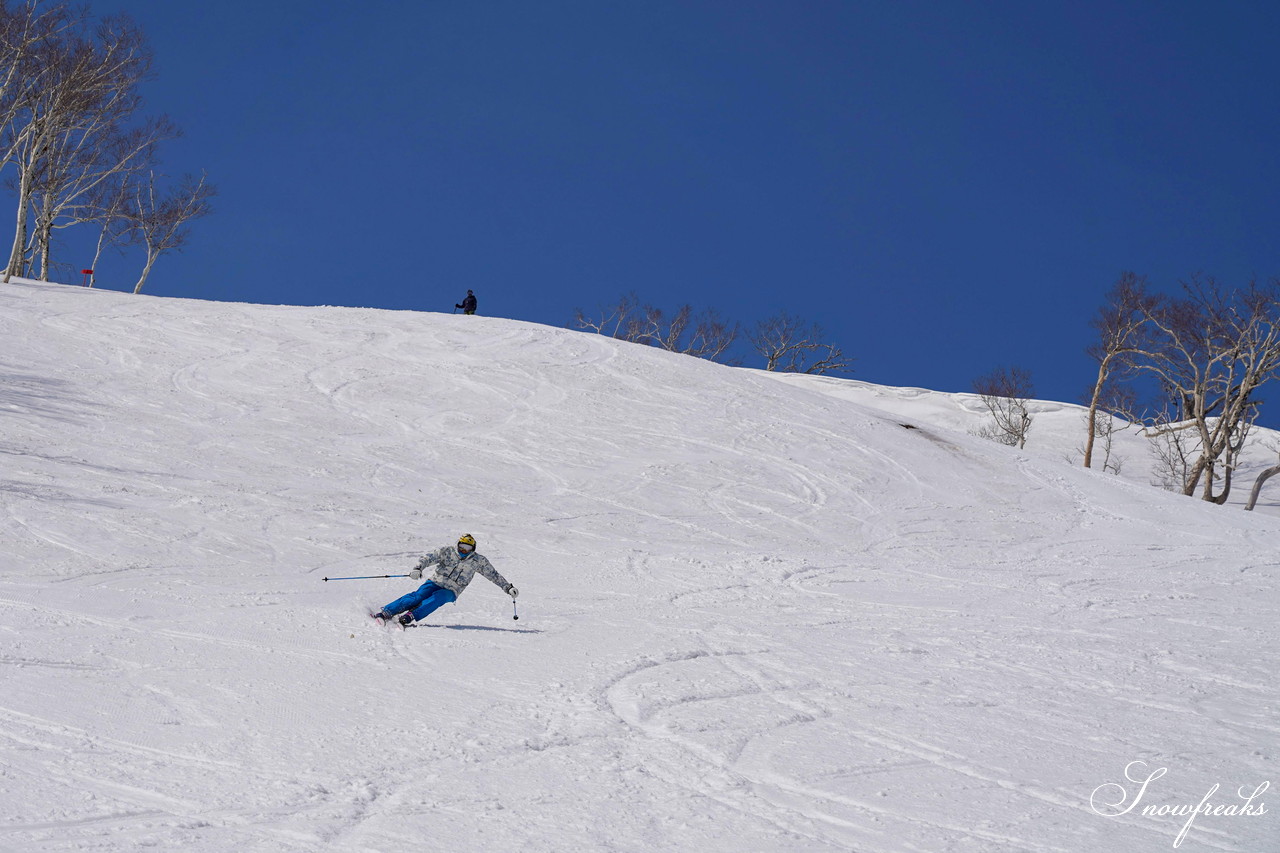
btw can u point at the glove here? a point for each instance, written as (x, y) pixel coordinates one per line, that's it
(416, 574)
(512, 591)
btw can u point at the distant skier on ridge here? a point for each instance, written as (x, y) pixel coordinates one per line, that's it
(468, 304)
(455, 567)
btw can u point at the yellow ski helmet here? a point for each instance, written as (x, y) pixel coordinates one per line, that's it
(466, 543)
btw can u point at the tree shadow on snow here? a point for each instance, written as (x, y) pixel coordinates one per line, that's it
(29, 394)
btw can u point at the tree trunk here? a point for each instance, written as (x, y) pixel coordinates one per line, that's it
(1093, 413)
(1257, 484)
(44, 240)
(1219, 499)
(146, 271)
(1194, 475)
(97, 255)
(17, 256)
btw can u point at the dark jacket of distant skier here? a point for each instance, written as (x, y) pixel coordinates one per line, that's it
(468, 305)
(455, 567)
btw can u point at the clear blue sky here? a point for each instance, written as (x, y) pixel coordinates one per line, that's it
(946, 186)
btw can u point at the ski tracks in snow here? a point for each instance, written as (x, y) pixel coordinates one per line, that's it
(744, 731)
(753, 618)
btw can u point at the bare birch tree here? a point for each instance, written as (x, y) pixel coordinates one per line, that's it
(1006, 394)
(159, 220)
(1173, 450)
(1213, 350)
(1103, 423)
(95, 144)
(68, 191)
(704, 335)
(75, 134)
(107, 209)
(613, 320)
(29, 35)
(712, 337)
(790, 345)
(1122, 330)
(33, 41)
(652, 326)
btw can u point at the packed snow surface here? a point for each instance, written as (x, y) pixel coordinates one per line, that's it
(755, 615)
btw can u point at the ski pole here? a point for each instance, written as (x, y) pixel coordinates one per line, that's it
(365, 577)
(514, 613)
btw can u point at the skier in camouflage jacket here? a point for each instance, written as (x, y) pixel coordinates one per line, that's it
(455, 567)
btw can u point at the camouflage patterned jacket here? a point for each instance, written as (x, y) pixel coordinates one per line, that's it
(454, 573)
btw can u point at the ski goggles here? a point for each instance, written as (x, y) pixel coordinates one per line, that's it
(464, 548)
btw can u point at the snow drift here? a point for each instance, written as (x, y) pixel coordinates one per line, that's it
(755, 615)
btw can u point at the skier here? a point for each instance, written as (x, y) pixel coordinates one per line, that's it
(468, 305)
(455, 567)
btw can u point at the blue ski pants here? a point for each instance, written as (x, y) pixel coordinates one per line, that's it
(422, 601)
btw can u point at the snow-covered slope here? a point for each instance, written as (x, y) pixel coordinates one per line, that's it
(1057, 432)
(754, 615)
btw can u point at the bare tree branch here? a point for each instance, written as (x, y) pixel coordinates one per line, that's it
(1006, 393)
(160, 221)
(1212, 351)
(70, 133)
(787, 344)
(1257, 485)
(611, 320)
(1122, 330)
(704, 335)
